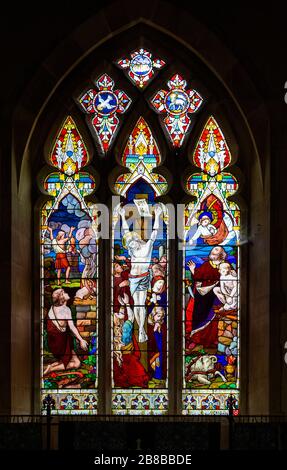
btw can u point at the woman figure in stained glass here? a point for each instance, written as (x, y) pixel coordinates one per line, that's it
(157, 334)
(157, 295)
(128, 370)
(60, 341)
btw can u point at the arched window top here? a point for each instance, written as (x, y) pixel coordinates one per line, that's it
(141, 155)
(212, 154)
(69, 153)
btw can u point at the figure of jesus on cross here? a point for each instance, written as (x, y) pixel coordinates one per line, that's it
(140, 252)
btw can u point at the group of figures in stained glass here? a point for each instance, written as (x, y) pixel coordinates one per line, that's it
(140, 261)
(69, 274)
(139, 306)
(140, 276)
(211, 270)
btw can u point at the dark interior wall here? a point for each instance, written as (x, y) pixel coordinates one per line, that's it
(255, 32)
(255, 39)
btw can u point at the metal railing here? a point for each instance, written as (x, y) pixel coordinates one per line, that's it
(51, 423)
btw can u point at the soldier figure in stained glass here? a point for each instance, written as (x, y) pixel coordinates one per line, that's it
(59, 247)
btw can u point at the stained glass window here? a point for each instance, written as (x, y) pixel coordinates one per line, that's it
(140, 282)
(103, 106)
(69, 279)
(140, 67)
(141, 229)
(176, 104)
(211, 273)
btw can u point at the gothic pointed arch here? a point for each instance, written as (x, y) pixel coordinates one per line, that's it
(69, 279)
(64, 75)
(140, 254)
(211, 284)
